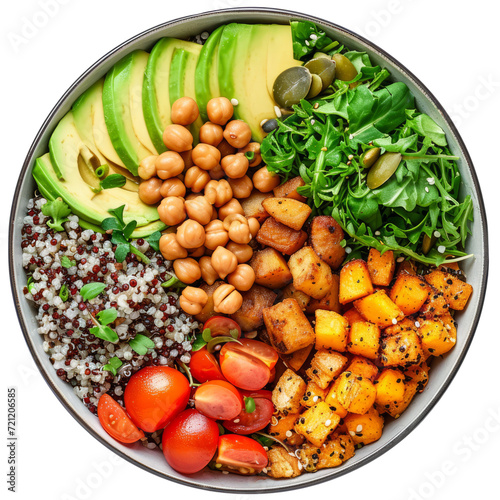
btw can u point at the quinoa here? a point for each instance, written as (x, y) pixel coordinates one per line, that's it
(133, 288)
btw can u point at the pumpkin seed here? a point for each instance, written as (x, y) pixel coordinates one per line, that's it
(324, 68)
(291, 86)
(321, 54)
(344, 69)
(316, 86)
(270, 125)
(369, 157)
(383, 169)
(428, 243)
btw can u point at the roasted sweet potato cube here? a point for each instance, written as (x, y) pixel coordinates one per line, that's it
(325, 366)
(316, 423)
(381, 267)
(379, 309)
(296, 359)
(270, 268)
(409, 293)
(390, 387)
(407, 267)
(436, 339)
(364, 339)
(325, 235)
(332, 400)
(249, 315)
(435, 305)
(396, 409)
(330, 302)
(355, 393)
(287, 326)
(290, 292)
(418, 374)
(289, 189)
(252, 206)
(403, 349)
(288, 393)
(365, 429)
(455, 291)
(355, 281)
(288, 211)
(352, 315)
(332, 330)
(362, 366)
(280, 237)
(336, 450)
(281, 427)
(405, 325)
(314, 394)
(208, 311)
(282, 464)
(310, 274)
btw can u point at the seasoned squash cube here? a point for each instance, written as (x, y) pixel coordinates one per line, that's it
(330, 302)
(325, 236)
(402, 349)
(435, 305)
(336, 450)
(296, 359)
(405, 325)
(396, 409)
(316, 423)
(314, 394)
(352, 315)
(390, 387)
(455, 291)
(407, 266)
(280, 237)
(364, 339)
(332, 330)
(271, 269)
(281, 427)
(355, 393)
(309, 456)
(287, 327)
(355, 281)
(325, 366)
(288, 392)
(252, 206)
(379, 309)
(290, 292)
(282, 464)
(436, 339)
(365, 429)
(381, 267)
(362, 366)
(288, 211)
(249, 316)
(332, 400)
(418, 374)
(310, 274)
(409, 293)
(289, 189)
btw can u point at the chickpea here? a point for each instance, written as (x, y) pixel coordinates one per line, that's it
(206, 156)
(215, 235)
(233, 217)
(192, 196)
(265, 181)
(242, 187)
(231, 207)
(217, 172)
(187, 270)
(254, 147)
(242, 278)
(239, 232)
(235, 166)
(223, 261)
(197, 252)
(147, 167)
(225, 148)
(226, 299)
(193, 300)
(218, 192)
(173, 187)
(215, 215)
(237, 133)
(191, 234)
(184, 111)
(187, 156)
(149, 191)
(243, 252)
(172, 210)
(199, 210)
(254, 226)
(211, 133)
(170, 248)
(169, 164)
(208, 273)
(219, 110)
(196, 179)
(177, 138)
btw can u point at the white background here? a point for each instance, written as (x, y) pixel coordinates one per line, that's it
(453, 47)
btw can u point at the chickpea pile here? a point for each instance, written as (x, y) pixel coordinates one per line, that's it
(198, 190)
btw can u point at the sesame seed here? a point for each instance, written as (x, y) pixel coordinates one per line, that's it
(316, 105)
(417, 324)
(426, 189)
(400, 259)
(236, 420)
(348, 249)
(359, 428)
(328, 422)
(299, 466)
(313, 36)
(306, 42)
(234, 102)
(277, 111)
(351, 136)
(315, 399)
(204, 35)
(352, 433)
(431, 180)
(437, 234)
(264, 470)
(288, 434)
(394, 321)
(313, 122)
(350, 157)
(225, 472)
(377, 233)
(441, 248)
(263, 121)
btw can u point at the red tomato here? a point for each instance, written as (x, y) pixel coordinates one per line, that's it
(263, 393)
(204, 366)
(154, 395)
(218, 399)
(262, 351)
(241, 452)
(220, 325)
(116, 422)
(190, 441)
(248, 423)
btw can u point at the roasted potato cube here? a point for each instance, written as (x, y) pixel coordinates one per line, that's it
(436, 339)
(332, 330)
(336, 450)
(403, 349)
(332, 400)
(381, 267)
(409, 293)
(364, 339)
(355, 281)
(208, 311)
(362, 366)
(309, 456)
(395, 409)
(316, 423)
(288, 211)
(270, 268)
(296, 359)
(281, 427)
(330, 302)
(352, 315)
(276, 235)
(435, 305)
(325, 235)
(455, 291)
(390, 387)
(287, 326)
(282, 464)
(314, 394)
(289, 189)
(379, 309)
(288, 393)
(366, 428)
(325, 366)
(249, 316)
(310, 274)
(290, 292)
(252, 206)
(355, 393)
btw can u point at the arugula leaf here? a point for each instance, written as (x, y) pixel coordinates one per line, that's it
(107, 316)
(113, 365)
(91, 290)
(308, 38)
(426, 126)
(140, 344)
(67, 262)
(58, 211)
(154, 240)
(105, 333)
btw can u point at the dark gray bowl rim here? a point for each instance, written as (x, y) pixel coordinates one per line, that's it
(281, 486)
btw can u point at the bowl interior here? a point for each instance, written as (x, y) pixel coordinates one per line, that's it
(442, 371)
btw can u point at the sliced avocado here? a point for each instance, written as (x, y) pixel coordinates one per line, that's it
(155, 92)
(117, 112)
(207, 72)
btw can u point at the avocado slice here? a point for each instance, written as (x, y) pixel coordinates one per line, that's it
(155, 91)
(116, 97)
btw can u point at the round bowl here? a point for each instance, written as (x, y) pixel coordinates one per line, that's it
(443, 370)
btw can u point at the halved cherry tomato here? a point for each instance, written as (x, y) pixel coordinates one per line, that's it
(154, 395)
(218, 399)
(263, 393)
(221, 326)
(248, 423)
(241, 453)
(190, 441)
(116, 422)
(258, 349)
(204, 366)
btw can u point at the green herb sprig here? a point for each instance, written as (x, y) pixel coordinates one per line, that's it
(113, 365)
(58, 211)
(140, 344)
(102, 330)
(110, 181)
(206, 339)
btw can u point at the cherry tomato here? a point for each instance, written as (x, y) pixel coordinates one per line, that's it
(248, 423)
(263, 393)
(116, 422)
(190, 441)
(204, 366)
(221, 326)
(154, 395)
(262, 351)
(241, 453)
(218, 399)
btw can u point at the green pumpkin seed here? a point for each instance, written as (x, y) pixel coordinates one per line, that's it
(324, 68)
(316, 86)
(291, 86)
(428, 243)
(383, 169)
(369, 157)
(321, 54)
(344, 69)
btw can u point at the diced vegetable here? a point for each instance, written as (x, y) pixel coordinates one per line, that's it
(362, 366)
(365, 429)
(455, 291)
(281, 427)
(409, 293)
(282, 238)
(316, 423)
(288, 393)
(390, 387)
(332, 400)
(296, 359)
(325, 235)
(355, 393)
(352, 315)
(252, 206)
(325, 366)
(395, 409)
(290, 292)
(402, 349)
(288, 211)
(281, 464)
(364, 339)
(332, 330)
(355, 281)
(379, 309)
(330, 302)
(435, 305)
(314, 394)
(436, 339)
(289, 189)
(271, 269)
(250, 315)
(381, 267)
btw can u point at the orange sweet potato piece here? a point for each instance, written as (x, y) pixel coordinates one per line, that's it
(352, 315)
(252, 206)
(403, 349)
(280, 237)
(409, 293)
(435, 305)
(364, 339)
(325, 235)
(270, 268)
(288, 211)
(332, 330)
(249, 315)
(289, 189)
(330, 302)
(379, 309)
(365, 429)
(381, 267)
(355, 281)
(455, 291)
(362, 366)
(296, 359)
